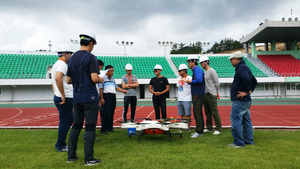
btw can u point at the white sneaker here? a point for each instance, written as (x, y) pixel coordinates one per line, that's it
(195, 135)
(206, 130)
(216, 132)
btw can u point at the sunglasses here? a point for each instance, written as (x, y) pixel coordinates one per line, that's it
(156, 70)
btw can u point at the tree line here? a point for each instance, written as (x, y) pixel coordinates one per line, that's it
(198, 47)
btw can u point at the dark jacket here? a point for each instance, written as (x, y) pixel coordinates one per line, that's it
(243, 81)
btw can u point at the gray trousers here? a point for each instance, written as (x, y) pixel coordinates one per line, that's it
(211, 111)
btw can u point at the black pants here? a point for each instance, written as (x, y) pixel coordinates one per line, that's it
(159, 104)
(109, 111)
(89, 111)
(132, 101)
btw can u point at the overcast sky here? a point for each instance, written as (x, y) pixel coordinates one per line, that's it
(30, 24)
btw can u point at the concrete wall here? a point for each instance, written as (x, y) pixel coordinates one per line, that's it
(40, 89)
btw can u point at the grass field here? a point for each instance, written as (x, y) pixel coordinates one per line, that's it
(35, 149)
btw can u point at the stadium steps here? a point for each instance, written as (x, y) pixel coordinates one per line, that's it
(173, 67)
(261, 66)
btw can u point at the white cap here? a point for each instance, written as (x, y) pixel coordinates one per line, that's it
(203, 59)
(182, 67)
(64, 48)
(158, 67)
(128, 67)
(192, 58)
(88, 35)
(237, 54)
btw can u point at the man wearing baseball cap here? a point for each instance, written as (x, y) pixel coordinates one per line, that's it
(129, 83)
(159, 87)
(63, 96)
(83, 74)
(242, 86)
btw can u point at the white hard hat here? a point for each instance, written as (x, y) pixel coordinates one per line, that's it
(192, 58)
(88, 35)
(64, 48)
(128, 67)
(182, 67)
(158, 67)
(237, 54)
(203, 59)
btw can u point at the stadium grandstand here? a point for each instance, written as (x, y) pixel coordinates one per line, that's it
(23, 76)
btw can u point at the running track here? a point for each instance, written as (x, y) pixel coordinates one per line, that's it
(263, 116)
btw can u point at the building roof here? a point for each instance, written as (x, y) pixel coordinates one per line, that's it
(280, 31)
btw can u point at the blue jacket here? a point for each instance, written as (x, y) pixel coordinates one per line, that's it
(243, 81)
(198, 82)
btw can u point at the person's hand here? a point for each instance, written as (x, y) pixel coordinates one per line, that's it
(102, 101)
(240, 95)
(157, 93)
(63, 100)
(124, 91)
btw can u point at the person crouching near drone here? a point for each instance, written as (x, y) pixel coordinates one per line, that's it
(161, 88)
(130, 83)
(184, 95)
(63, 96)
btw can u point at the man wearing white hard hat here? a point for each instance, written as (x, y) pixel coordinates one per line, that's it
(184, 94)
(198, 91)
(129, 83)
(212, 86)
(63, 96)
(83, 74)
(159, 87)
(242, 86)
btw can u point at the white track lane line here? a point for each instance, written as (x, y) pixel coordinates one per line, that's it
(150, 114)
(127, 114)
(20, 112)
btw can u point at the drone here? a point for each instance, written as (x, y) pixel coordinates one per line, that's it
(161, 126)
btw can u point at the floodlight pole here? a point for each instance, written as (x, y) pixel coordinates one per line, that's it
(123, 43)
(204, 45)
(165, 44)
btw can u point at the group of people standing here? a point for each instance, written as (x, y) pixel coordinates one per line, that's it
(79, 85)
(202, 90)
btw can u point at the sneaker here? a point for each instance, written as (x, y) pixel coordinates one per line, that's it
(234, 146)
(63, 149)
(216, 132)
(92, 162)
(104, 132)
(195, 135)
(206, 130)
(71, 160)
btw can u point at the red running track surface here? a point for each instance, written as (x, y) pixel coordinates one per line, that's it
(263, 116)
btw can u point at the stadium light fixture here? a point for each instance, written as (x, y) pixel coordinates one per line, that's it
(165, 44)
(204, 45)
(296, 19)
(74, 41)
(283, 19)
(266, 20)
(123, 43)
(290, 19)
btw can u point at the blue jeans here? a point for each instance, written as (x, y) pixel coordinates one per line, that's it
(65, 120)
(241, 125)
